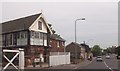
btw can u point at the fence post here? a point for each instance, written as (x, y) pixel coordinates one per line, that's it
(21, 59)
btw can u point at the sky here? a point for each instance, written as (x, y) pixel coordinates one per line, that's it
(99, 28)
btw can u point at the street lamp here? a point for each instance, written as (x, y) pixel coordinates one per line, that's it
(75, 35)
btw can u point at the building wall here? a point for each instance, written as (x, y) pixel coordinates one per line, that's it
(32, 53)
(56, 45)
(18, 38)
(40, 39)
(83, 53)
(71, 48)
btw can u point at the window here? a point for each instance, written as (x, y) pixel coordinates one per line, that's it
(45, 36)
(63, 44)
(41, 35)
(58, 44)
(3, 40)
(14, 39)
(23, 34)
(36, 34)
(39, 25)
(50, 40)
(32, 34)
(6, 39)
(18, 35)
(11, 38)
(32, 50)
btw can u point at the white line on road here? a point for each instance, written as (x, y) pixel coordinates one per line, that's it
(111, 69)
(107, 66)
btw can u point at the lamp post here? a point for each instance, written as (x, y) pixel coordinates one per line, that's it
(75, 36)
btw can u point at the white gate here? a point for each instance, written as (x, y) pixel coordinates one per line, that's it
(19, 53)
(59, 58)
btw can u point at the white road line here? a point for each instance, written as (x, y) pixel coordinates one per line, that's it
(111, 69)
(107, 66)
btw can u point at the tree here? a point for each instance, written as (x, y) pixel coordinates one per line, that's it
(118, 50)
(96, 50)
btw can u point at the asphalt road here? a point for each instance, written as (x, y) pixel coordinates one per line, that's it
(107, 64)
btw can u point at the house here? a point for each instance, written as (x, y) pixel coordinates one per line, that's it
(56, 43)
(74, 48)
(30, 33)
(87, 50)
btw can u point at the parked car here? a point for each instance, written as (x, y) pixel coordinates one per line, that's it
(99, 58)
(118, 57)
(107, 57)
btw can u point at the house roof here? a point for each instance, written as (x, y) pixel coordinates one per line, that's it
(56, 37)
(76, 44)
(86, 47)
(19, 24)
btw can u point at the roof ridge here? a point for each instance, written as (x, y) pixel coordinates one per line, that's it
(21, 18)
(22, 23)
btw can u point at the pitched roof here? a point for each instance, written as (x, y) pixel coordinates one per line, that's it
(19, 24)
(56, 37)
(87, 48)
(74, 43)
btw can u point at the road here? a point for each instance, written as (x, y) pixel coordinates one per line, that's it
(107, 64)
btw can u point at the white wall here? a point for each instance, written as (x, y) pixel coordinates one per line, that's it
(59, 59)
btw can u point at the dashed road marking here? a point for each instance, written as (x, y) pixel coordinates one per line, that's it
(107, 66)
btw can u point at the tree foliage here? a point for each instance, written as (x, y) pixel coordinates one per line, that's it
(96, 50)
(118, 50)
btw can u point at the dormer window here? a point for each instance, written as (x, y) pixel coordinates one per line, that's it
(39, 25)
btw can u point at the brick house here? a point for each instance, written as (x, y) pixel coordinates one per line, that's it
(87, 50)
(30, 33)
(80, 50)
(56, 43)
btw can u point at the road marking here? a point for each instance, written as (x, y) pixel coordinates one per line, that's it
(107, 66)
(111, 69)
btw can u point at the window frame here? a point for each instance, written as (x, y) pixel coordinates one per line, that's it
(40, 25)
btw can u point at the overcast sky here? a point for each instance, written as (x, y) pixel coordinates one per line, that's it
(100, 26)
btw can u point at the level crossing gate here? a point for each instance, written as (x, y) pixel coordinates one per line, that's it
(19, 53)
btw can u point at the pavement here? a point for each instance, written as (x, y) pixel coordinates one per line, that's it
(44, 65)
(65, 66)
(72, 66)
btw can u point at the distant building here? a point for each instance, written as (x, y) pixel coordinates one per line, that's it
(87, 50)
(83, 50)
(80, 50)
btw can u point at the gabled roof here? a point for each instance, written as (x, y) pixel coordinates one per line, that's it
(76, 44)
(56, 37)
(87, 48)
(19, 24)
